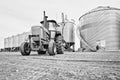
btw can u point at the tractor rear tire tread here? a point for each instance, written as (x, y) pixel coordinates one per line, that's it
(59, 45)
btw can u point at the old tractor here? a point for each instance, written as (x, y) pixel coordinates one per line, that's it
(44, 39)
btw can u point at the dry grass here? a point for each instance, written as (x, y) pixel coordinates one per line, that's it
(16, 67)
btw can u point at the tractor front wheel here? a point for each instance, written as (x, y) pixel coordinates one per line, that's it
(25, 49)
(51, 48)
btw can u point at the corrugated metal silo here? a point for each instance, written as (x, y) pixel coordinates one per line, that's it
(100, 28)
(68, 32)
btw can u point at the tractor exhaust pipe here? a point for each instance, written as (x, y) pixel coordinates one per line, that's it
(62, 15)
(45, 20)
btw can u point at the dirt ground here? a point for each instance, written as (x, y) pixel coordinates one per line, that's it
(68, 66)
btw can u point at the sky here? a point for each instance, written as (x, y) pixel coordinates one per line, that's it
(17, 16)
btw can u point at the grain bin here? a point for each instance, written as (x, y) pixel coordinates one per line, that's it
(100, 29)
(68, 32)
(67, 29)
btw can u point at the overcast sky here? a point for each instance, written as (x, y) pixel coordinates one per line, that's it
(17, 16)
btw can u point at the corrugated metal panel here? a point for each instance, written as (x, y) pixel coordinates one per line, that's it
(103, 25)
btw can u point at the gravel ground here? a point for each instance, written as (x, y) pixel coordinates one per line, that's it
(68, 66)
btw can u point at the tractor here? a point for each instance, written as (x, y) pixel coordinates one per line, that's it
(44, 39)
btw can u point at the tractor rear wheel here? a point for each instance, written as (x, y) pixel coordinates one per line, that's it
(59, 45)
(51, 48)
(41, 52)
(25, 49)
